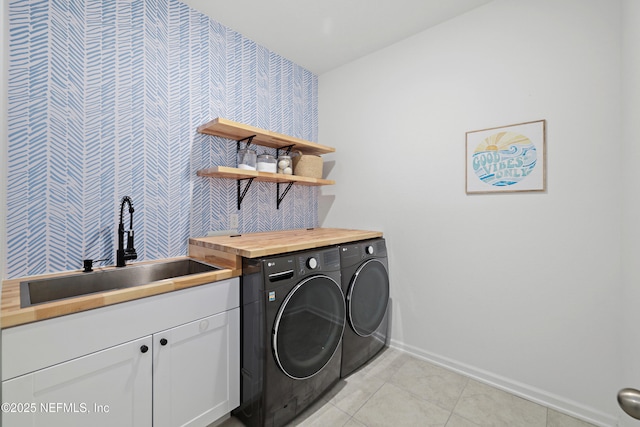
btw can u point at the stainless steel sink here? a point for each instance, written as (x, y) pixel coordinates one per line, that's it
(40, 291)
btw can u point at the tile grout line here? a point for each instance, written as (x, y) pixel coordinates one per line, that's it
(373, 375)
(368, 398)
(457, 401)
(546, 420)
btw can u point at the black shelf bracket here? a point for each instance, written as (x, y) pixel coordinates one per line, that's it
(242, 193)
(281, 197)
(249, 140)
(287, 149)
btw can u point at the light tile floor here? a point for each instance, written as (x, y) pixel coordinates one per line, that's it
(396, 389)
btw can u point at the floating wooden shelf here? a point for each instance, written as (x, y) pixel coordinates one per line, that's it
(237, 131)
(235, 173)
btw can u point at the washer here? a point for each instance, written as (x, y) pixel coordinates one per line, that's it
(293, 317)
(365, 282)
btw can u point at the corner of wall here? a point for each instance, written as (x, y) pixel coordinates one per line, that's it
(4, 66)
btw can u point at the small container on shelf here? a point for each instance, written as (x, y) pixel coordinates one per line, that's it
(247, 159)
(267, 163)
(284, 165)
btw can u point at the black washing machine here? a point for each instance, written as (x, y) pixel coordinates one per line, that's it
(293, 315)
(365, 283)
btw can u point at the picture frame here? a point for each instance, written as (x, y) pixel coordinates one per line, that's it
(506, 159)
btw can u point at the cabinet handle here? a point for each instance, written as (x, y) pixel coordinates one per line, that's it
(163, 341)
(144, 349)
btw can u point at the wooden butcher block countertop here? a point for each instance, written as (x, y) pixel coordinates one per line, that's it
(14, 315)
(223, 251)
(254, 245)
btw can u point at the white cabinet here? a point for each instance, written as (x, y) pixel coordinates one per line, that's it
(103, 389)
(195, 371)
(109, 367)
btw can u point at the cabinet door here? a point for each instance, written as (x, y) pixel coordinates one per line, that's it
(196, 371)
(108, 388)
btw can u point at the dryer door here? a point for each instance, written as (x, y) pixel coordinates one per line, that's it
(367, 297)
(309, 326)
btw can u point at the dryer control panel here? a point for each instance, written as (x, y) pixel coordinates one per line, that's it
(354, 253)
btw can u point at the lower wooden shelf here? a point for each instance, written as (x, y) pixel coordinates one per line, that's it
(242, 174)
(235, 173)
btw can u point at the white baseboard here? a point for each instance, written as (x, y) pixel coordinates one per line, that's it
(525, 391)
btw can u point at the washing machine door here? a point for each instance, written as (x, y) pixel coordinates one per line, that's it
(367, 297)
(309, 326)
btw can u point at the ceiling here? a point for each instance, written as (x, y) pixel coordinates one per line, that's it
(321, 35)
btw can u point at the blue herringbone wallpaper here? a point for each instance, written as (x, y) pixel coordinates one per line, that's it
(104, 100)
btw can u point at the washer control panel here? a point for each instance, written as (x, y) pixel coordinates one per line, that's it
(312, 263)
(308, 263)
(315, 262)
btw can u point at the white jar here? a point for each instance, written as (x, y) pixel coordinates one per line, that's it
(267, 163)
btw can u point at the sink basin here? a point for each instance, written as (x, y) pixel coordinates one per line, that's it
(40, 291)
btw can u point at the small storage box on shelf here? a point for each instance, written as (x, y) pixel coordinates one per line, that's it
(241, 132)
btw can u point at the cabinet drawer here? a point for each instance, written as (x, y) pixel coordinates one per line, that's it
(57, 340)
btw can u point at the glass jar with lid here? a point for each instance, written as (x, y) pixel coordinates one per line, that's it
(247, 159)
(284, 165)
(267, 163)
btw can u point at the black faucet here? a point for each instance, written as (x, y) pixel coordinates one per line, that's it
(123, 254)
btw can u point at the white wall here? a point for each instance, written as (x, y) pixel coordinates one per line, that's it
(631, 199)
(522, 290)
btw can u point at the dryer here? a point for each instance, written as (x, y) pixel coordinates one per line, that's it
(365, 283)
(293, 315)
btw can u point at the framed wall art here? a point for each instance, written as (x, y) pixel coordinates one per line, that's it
(506, 159)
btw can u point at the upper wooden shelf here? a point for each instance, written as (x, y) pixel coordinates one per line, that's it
(234, 173)
(236, 131)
